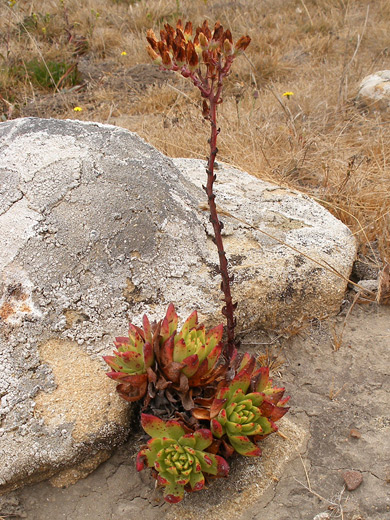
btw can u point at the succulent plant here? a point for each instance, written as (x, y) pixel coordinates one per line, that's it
(245, 410)
(132, 360)
(177, 458)
(191, 352)
(159, 358)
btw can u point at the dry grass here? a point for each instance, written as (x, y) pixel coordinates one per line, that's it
(317, 141)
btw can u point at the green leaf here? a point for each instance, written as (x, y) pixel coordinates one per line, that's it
(156, 427)
(266, 425)
(112, 362)
(261, 380)
(173, 493)
(174, 430)
(214, 337)
(252, 429)
(155, 445)
(240, 382)
(196, 481)
(180, 350)
(136, 334)
(191, 365)
(244, 446)
(231, 408)
(256, 398)
(203, 439)
(233, 428)
(148, 355)
(169, 323)
(131, 362)
(213, 356)
(217, 428)
(164, 478)
(208, 462)
(188, 440)
(147, 329)
(222, 417)
(190, 323)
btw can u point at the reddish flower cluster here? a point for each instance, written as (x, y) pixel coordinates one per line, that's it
(184, 50)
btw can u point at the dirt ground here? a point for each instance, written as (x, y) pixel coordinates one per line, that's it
(340, 408)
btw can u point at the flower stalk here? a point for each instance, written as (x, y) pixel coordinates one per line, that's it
(229, 307)
(206, 58)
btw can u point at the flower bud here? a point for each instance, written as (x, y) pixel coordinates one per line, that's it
(188, 30)
(242, 44)
(166, 60)
(155, 57)
(227, 47)
(192, 56)
(151, 37)
(203, 41)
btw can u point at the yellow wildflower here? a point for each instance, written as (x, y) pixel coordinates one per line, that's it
(124, 53)
(288, 94)
(77, 109)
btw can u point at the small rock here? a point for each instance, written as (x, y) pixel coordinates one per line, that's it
(369, 285)
(374, 92)
(352, 479)
(322, 516)
(355, 433)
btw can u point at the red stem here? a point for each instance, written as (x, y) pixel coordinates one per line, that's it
(229, 307)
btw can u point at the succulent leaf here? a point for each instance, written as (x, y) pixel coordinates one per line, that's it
(190, 323)
(173, 493)
(244, 446)
(217, 406)
(242, 382)
(180, 351)
(213, 355)
(147, 329)
(148, 355)
(188, 440)
(203, 438)
(166, 351)
(156, 427)
(216, 428)
(191, 365)
(262, 379)
(197, 481)
(169, 323)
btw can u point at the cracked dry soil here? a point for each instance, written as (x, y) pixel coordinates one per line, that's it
(340, 398)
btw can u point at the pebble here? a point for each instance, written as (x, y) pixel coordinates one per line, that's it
(352, 479)
(355, 433)
(322, 516)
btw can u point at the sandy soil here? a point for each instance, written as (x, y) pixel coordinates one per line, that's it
(339, 421)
